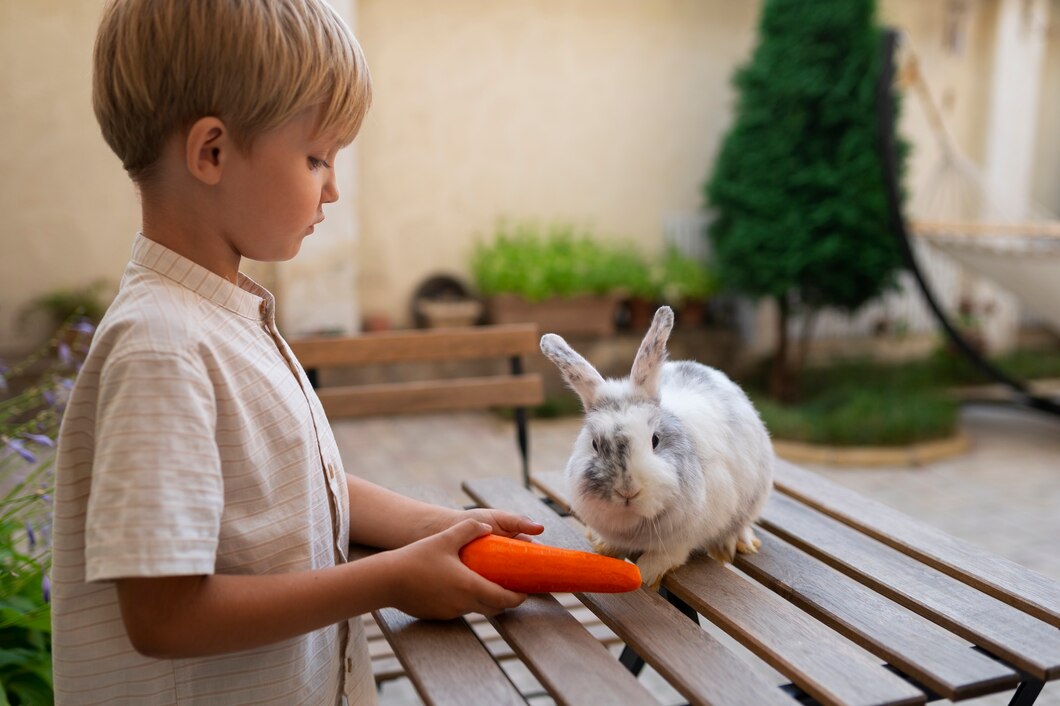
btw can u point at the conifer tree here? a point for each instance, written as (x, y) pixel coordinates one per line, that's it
(798, 185)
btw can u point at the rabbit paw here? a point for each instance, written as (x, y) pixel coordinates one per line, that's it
(602, 547)
(724, 552)
(654, 565)
(748, 543)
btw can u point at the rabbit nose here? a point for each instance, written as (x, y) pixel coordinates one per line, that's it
(628, 493)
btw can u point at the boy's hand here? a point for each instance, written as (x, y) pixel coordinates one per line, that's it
(506, 524)
(434, 584)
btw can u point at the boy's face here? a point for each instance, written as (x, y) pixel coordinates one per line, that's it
(275, 194)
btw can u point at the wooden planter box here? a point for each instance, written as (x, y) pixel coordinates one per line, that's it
(592, 315)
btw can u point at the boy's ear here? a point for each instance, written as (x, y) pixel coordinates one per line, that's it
(206, 149)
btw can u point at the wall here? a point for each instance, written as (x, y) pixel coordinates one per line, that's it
(1047, 167)
(67, 210)
(603, 112)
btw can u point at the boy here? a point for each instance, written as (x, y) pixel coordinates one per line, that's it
(202, 514)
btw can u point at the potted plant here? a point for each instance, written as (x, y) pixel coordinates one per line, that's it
(687, 283)
(557, 276)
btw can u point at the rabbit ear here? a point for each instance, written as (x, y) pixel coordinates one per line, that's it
(652, 354)
(579, 374)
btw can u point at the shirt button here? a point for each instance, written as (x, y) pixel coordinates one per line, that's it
(331, 471)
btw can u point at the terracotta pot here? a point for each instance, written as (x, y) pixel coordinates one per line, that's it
(579, 315)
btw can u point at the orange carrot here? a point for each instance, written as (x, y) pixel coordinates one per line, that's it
(537, 568)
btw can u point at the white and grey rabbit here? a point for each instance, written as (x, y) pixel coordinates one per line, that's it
(670, 461)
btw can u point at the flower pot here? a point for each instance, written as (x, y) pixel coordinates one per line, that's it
(587, 314)
(692, 313)
(640, 312)
(441, 314)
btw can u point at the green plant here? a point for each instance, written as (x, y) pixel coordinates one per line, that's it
(852, 415)
(858, 402)
(798, 185)
(684, 277)
(32, 400)
(63, 305)
(25, 624)
(557, 260)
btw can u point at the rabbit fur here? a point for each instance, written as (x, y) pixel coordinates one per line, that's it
(671, 460)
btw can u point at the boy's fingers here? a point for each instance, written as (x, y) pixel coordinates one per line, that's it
(528, 526)
(515, 524)
(463, 532)
(500, 599)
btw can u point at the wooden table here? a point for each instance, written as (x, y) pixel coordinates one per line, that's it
(851, 601)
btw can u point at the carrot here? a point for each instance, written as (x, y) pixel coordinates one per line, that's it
(537, 568)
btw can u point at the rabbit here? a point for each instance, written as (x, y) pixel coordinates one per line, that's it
(670, 461)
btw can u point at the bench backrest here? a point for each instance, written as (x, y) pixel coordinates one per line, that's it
(515, 389)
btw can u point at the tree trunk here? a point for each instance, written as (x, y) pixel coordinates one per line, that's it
(808, 320)
(780, 376)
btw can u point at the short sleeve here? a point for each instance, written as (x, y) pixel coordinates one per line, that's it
(157, 495)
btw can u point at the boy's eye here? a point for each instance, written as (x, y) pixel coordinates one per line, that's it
(315, 163)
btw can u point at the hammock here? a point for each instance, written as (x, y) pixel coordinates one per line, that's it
(957, 214)
(1025, 255)
(1024, 259)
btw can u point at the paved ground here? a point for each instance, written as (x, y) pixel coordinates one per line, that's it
(1004, 495)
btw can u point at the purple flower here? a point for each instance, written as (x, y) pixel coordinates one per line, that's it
(19, 447)
(31, 536)
(46, 588)
(67, 383)
(39, 439)
(84, 326)
(49, 397)
(65, 356)
(3, 383)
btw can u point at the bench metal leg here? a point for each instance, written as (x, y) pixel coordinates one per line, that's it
(522, 435)
(1027, 692)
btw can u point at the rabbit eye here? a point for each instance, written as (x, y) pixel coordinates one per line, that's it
(655, 441)
(595, 447)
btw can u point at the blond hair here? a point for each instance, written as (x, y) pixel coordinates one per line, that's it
(160, 65)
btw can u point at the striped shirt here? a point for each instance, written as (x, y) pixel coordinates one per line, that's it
(193, 444)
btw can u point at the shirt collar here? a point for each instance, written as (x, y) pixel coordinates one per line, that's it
(246, 297)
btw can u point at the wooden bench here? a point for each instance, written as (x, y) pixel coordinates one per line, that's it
(850, 601)
(514, 389)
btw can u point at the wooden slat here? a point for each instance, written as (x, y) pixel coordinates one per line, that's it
(694, 662)
(821, 662)
(432, 396)
(1001, 578)
(471, 343)
(914, 645)
(445, 661)
(568, 661)
(554, 485)
(1020, 639)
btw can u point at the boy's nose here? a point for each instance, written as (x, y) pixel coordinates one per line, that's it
(330, 194)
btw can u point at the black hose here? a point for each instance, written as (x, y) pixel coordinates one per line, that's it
(885, 113)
